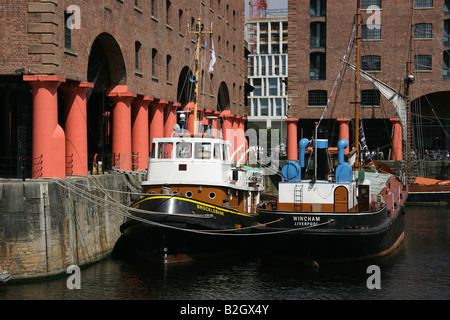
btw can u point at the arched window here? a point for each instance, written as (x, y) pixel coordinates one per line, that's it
(137, 48)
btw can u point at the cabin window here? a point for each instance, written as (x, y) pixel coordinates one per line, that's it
(217, 154)
(184, 150)
(153, 152)
(225, 152)
(202, 150)
(165, 150)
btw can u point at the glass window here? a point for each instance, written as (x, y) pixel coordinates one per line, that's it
(317, 68)
(255, 107)
(447, 32)
(165, 150)
(257, 85)
(371, 32)
(424, 3)
(446, 71)
(367, 3)
(225, 152)
(317, 98)
(318, 8)
(273, 86)
(184, 150)
(202, 150)
(423, 31)
(153, 152)
(422, 63)
(371, 63)
(370, 98)
(318, 35)
(264, 107)
(216, 152)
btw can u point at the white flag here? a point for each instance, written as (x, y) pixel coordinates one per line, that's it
(213, 57)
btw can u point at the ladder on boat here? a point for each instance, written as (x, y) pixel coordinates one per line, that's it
(298, 197)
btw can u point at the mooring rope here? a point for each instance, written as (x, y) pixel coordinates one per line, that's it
(107, 204)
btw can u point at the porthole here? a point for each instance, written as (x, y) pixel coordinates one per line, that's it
(212, 195)
(189, 194)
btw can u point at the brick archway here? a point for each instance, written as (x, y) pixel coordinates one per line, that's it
(106, 68)
(223, 98)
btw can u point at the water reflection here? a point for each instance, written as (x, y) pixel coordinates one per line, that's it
(416, 270)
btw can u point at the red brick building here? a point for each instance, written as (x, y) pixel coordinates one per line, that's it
(102, 71)
(319, 34)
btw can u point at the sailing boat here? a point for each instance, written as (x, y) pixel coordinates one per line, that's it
(349, 212)
(421, 189)
(197, 197)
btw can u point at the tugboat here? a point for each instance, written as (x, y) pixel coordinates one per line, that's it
(198, 198)
(329, 213)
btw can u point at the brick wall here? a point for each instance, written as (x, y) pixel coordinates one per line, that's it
(393, 49)
(32, 37)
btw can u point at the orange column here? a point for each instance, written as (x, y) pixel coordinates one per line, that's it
(215, 132)
(241, 132)
(171, 118)
(397, 150)
(189, 117)
(227, 127)
(75, 115)
(157, 119)
(49, 158)
(292, 153)
(344, 131)
(139, 132)
(121, 125)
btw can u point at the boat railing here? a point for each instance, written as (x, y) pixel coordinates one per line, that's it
(131, 163)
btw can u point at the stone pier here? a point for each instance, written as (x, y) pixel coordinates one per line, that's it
(46, 226)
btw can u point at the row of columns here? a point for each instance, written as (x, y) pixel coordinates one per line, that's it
(132, 132)
(344, 133)
(52, 146)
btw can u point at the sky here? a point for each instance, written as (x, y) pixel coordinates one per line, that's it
(271, 4)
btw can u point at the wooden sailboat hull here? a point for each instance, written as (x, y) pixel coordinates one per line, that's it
(429, 191)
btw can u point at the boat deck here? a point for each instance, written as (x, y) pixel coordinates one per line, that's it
(398, 196)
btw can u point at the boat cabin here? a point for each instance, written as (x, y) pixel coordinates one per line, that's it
(326, 188)
(200, 168)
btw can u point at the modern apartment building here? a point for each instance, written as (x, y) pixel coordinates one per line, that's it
(268, 70)
(319, 86)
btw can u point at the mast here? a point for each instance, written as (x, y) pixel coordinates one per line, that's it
(409, 79)
(357, 80)
(198, 31)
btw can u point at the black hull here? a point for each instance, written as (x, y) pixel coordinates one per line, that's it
(348, 237)
(178, 229)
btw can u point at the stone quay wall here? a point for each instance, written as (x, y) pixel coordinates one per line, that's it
(46, 225)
